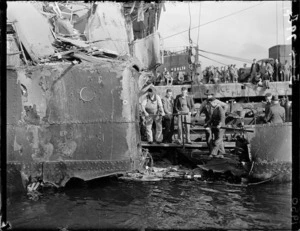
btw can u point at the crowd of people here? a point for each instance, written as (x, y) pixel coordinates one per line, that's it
(162, 112)
(260, 75)
(267, 72)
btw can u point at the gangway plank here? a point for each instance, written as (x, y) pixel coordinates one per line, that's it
(192, 145)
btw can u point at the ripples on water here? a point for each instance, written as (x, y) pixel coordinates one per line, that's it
(168, 204)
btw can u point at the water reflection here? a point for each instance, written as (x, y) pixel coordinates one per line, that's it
(164, 205)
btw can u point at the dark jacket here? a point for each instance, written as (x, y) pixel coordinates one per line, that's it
(217, 117)
(206, 108)
(277, 68)
(257, 67)
(276, 114)
(168, 107)
(267, 109)
(178, 100)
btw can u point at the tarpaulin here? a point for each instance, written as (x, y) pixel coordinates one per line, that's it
(147, 51)
(106, 28)
(33, 29)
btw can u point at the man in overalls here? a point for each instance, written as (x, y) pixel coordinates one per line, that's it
(153, 109)
(206, 109)
(216, 121)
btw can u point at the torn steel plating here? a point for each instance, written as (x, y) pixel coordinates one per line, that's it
(76, 120)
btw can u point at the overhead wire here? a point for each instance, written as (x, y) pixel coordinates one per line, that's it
(237, 12)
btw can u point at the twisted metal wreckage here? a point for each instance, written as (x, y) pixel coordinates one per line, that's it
(74, 71)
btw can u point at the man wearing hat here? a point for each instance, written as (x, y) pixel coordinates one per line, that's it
(254, 72)
(184, 105)
(276, 114)
(206, 109)
(153, 109)
(216, 121)
(168, 121)
(268, 98)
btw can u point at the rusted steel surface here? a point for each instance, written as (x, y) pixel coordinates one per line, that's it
(271, 142)
(226, 90)
(74, 113)
(276, 171)
(60, 172)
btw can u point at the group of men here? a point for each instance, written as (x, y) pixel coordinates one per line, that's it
(162, 112)
(155, 109)
(171, 78)
(268, 72)
(226, 74)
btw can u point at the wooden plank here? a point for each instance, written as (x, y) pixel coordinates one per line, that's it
(193, 145)
(93, 59)
(78, 43)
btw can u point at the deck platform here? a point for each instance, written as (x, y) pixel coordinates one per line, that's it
(193, 145)
(229, 90)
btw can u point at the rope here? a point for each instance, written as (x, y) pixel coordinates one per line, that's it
(276, 25)
(214, 20)
(190, 40)
(199, 23)
(227, 56)
(283, 26)
(212, 60)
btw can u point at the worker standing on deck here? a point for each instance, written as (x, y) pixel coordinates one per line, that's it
(268, 98)
(277, 71)
(184, 105)
(268, 75)
(206, 109)
(286, 71)
(216, 121)
(276, 114)
(254, 72)
(168, 105)
(153, 109)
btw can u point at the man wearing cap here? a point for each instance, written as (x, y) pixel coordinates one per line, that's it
(153, 109)
(206, 109)
(184, 105)
(276, 114)
(216, 121)
(268, 98)
(168, 104)
(254, 72)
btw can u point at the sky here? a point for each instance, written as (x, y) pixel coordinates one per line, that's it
(248, 34)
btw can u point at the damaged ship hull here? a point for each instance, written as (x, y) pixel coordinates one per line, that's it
(68, 120)
(266, 155)
(271, 151)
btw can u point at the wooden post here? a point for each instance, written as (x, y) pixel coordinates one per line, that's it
(182, 133)
(185, 128)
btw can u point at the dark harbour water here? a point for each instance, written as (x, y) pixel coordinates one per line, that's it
(167, 204)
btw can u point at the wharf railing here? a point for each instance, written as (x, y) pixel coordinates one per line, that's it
(184, 124)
